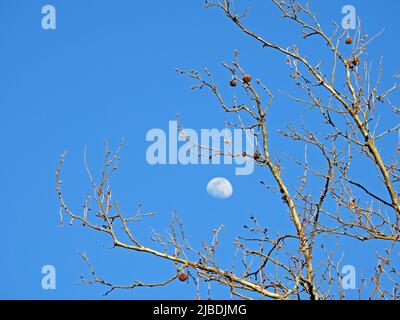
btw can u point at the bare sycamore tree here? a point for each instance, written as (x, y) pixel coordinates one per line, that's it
(326, 205)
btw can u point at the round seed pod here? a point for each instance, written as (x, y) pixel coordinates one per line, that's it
(349, 40)
(246, 78)
(233, 83)
(183, 277)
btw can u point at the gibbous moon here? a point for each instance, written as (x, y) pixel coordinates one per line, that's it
(219, 188)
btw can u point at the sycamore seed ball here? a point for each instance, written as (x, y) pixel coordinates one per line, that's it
(246, 78)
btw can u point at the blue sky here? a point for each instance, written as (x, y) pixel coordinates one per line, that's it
(108, 71)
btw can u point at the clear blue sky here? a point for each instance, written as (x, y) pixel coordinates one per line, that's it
(107, 71)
